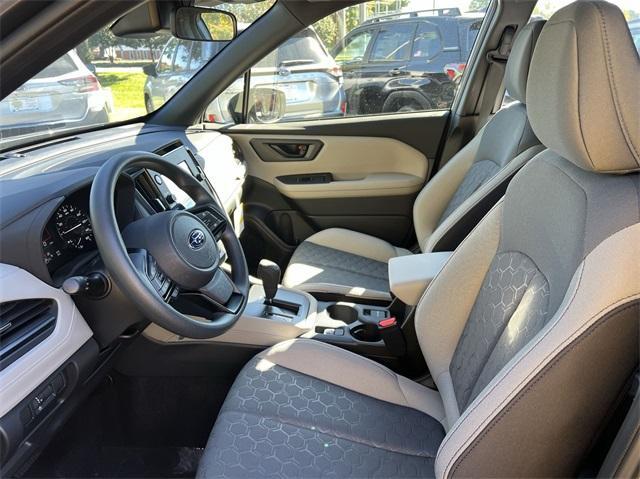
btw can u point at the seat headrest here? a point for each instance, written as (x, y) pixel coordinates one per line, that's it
(583, 98)
(515, 76)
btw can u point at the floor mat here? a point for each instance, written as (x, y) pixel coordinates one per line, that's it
(135, 427)
(118, 462)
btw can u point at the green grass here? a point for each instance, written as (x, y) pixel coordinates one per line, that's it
(127, 89)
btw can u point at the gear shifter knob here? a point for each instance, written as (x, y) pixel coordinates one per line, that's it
(269, 273)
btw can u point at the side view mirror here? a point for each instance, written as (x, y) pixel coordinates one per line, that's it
(150, 70)
(266, 105)
(204, 24)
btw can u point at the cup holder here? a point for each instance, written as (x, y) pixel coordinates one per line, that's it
(366, 332)
(343, 312)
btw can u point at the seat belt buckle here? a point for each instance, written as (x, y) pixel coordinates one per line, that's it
(392, 336)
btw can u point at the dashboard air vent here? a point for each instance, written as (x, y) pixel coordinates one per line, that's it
(23, 324)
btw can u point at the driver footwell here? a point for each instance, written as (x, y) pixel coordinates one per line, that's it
(136, 427)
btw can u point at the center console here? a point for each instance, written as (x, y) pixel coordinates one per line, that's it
(366, 329)
(382, 331)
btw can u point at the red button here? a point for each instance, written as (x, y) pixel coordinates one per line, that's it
(387, 323)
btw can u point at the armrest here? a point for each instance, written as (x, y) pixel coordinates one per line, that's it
(409, 276)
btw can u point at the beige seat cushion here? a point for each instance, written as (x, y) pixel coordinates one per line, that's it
(354, 372)
(343, 262)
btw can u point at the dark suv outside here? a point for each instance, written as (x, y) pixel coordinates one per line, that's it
(406, 61)
(301, 68)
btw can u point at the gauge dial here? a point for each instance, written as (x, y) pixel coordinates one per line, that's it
(74, 226)
(49, 249)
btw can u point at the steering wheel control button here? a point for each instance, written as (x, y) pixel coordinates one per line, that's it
(152, 267)
(170, 238)
(213, 222)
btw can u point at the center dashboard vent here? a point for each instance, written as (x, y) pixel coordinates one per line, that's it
(23, 324)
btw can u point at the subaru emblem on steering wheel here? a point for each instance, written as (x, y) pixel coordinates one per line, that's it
(197, 239)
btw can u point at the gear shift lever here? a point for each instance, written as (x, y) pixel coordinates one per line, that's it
(269, 273)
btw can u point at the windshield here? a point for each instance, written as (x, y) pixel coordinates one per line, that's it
(107, 79)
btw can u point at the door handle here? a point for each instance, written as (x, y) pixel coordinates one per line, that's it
(284, 149)
(397, 72)
(291, 150)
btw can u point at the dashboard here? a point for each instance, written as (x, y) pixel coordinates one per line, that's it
(58, 185)
(45, 222)
(66, 343)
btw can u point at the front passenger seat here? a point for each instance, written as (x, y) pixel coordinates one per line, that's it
(530, 331)
(345, 262)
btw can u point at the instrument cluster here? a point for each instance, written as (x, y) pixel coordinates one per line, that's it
(68, 232)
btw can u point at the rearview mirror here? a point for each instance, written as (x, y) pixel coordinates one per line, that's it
(204, 24)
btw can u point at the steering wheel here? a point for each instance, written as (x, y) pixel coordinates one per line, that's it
(169, 263)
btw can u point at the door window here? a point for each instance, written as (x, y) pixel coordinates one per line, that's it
(202, 52)
(62, 66)
(378, 57)
(393, 43)
(428, 42)
(305, 47)
(181, 60)
(635, 34)
(164, 65)
(355, 48)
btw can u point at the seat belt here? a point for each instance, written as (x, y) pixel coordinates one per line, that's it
(495, 74)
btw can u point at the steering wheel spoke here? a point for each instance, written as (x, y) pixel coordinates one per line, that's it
(219, 296)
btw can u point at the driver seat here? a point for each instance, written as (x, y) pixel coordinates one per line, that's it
(530, 331)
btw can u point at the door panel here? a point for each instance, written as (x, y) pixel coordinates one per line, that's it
(364, 176)
(356, 167)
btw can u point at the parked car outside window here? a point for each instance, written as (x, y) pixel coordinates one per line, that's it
(303, 70)
(412, 62)
(108, 79)
(63, 95)
(394, 63)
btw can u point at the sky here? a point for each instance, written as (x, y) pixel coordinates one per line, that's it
(550, 4)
